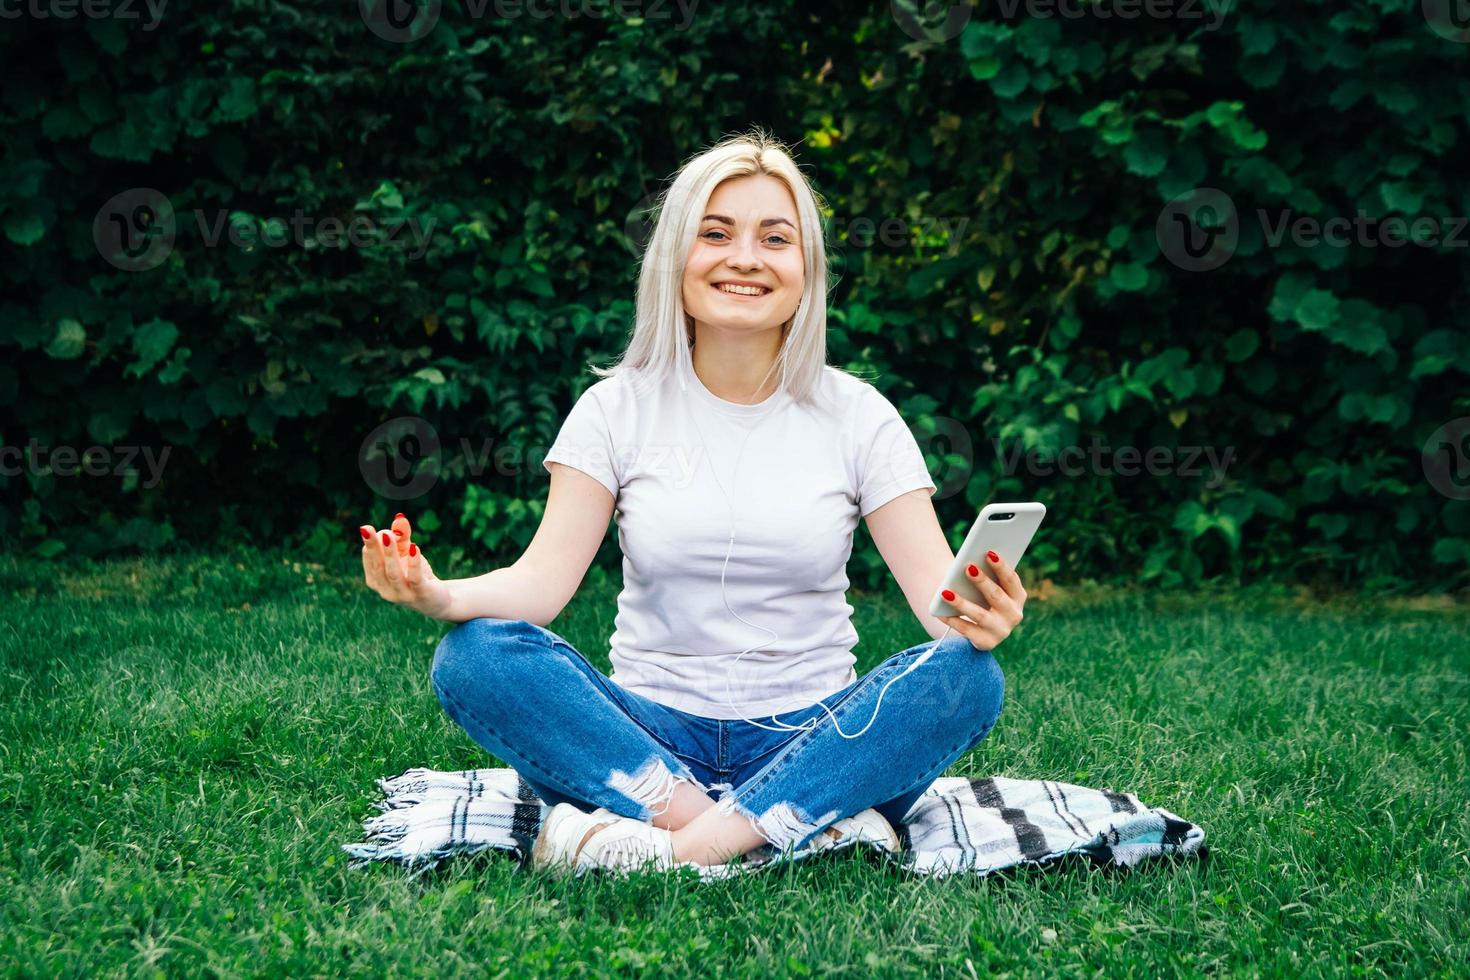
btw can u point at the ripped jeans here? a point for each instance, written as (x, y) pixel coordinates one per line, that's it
(531, 699)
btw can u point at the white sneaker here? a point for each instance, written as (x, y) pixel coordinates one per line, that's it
(617, 843)
(869, 825)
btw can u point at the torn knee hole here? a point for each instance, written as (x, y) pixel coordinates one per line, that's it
(651, 787)
(782, 825)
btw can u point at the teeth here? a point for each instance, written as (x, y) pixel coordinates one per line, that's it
(742, 290)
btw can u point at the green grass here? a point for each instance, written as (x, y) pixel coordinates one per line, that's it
(186, 743)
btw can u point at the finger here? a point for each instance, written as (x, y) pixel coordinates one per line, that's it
(372, 561)
(388, 552)
(413, 567)
(967, 607)
(403, 531)
(993, 593)
(1006, 576)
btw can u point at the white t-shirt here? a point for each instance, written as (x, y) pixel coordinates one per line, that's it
(805, 477)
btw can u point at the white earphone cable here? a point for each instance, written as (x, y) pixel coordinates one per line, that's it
(807, 702)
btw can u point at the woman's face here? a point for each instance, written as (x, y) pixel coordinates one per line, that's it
(748, 234)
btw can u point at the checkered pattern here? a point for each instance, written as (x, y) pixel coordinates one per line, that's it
(974, 826)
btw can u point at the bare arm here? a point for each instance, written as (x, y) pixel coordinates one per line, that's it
(538, 586)
(907, 533)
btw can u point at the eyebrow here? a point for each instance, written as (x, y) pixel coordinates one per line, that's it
(768, 221)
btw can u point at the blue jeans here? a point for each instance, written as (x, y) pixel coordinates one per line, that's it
(531, 699)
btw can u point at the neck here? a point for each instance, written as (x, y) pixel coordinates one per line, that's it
(739, 367)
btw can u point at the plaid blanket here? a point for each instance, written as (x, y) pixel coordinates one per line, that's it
(958, 825)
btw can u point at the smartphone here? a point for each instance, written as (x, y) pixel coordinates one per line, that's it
(1005, 529)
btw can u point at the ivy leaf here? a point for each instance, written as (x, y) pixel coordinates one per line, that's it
(985, 68)
(1011, 80)
(1129, 277)
(1256, 36)
(1147, 153)
(69, 342)
(1229, 119)
(1317, 310)
(1438, 351)
(237, 102)
(1290, 289)
(1399, 195)
(24, 227)
(151, 342)
(1241, 344)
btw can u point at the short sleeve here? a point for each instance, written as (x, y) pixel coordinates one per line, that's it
(585, 442)
(890, 462)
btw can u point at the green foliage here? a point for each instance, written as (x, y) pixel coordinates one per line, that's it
(493, 167)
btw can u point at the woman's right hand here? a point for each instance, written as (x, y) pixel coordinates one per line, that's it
(397, 570)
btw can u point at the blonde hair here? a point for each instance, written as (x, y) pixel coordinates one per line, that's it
(661, 341)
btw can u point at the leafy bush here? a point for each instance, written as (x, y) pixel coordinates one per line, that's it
(1025, 297)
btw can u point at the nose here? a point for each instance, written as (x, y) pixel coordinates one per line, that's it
(744, 256)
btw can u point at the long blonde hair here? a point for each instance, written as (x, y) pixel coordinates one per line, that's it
(661, 339)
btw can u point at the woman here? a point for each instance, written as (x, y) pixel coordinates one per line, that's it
(739, 463)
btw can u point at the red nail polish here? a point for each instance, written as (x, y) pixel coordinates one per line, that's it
(387, 539)
(365, 532)
(948, 595)
(398, 532)
(396, 516)
(992, 556)
(413, 549)
(973, 570)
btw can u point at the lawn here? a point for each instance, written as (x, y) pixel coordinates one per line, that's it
(187, 742)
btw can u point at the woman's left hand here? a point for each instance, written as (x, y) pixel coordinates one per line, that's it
(985, 628)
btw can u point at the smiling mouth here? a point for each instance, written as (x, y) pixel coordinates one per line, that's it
(741, 292)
